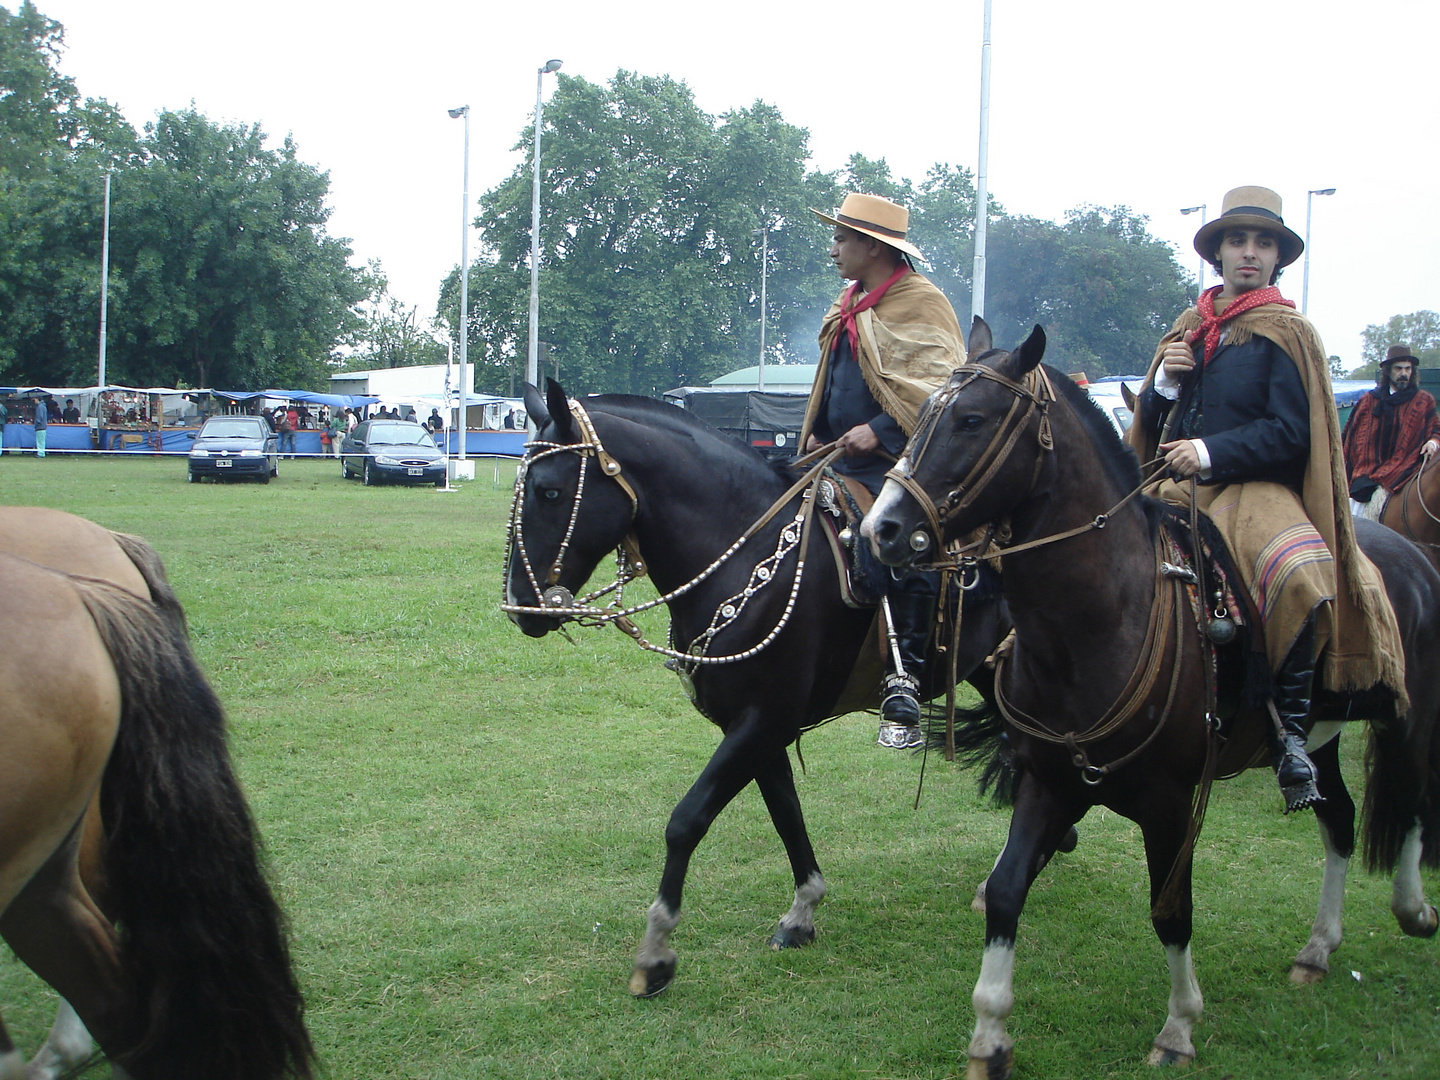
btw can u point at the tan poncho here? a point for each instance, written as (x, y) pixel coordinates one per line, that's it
(910, 342)
(1364, 640)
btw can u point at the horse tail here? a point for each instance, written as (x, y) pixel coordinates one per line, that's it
(210, 991)
(147, 562)
(1402, 789)
(980, 742)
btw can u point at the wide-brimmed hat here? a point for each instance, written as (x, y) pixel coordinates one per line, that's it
(1252, 208)
(1399, 352)
(870, 214)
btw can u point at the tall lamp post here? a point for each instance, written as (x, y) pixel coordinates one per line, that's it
(455, 114)
(764, 233)
(1305, 278)
(104, 279)
(982, 176)
(1200, 280)
(532, 362)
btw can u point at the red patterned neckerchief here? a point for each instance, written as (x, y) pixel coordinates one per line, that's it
(848, 313)
(1210, 323)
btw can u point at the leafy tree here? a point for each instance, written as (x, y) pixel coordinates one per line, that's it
(390, 335)
(1420, 330)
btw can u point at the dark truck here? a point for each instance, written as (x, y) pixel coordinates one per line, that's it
(768, 420)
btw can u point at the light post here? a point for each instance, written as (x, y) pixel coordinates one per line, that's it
(459, 427)
(1305, 277)
(982, 176)
(532, 375)
(1199, 281)
(764, 233)
(104, 279)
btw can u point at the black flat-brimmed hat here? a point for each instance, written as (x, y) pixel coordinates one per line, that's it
(876, 217)
(1249, 208)
(1399, 352)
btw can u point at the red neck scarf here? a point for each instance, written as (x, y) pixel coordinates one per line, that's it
(1210, 323)
(848, 313)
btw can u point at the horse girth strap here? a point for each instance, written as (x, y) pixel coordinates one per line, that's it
(1036, 393)
(1165, 613)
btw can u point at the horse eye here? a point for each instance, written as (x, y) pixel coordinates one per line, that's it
(552, 493)
(973, 422)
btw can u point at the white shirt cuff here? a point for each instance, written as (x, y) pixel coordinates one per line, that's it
(1166, 385)
(1203, 453)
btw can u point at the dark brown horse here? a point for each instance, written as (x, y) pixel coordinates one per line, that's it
(1414, 510)
(129, 870)
(1107, 691)
(767, 641)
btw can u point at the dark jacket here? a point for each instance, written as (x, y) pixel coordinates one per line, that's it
(847, 403)
(1250, 408)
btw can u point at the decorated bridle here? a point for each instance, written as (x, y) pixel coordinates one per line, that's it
(1033, 395)
(556, 600)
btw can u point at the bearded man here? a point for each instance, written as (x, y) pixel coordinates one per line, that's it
(1390, 429)
(888, 342)
(1238, 398)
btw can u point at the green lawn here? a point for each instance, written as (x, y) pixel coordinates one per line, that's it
(466, 826)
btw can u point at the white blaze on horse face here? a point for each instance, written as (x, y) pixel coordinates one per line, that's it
(885, 502)
(994, 998)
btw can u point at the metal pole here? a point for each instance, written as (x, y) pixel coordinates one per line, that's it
(1305, 277)
(764, 273)
(982, 175)
(104, 279)
(1200, 277)
(464, 289)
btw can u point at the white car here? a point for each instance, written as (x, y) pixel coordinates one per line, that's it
(1107, 394)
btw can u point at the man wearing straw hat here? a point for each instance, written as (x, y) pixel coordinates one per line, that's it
(1390, 430)
(888, 342)
(1238, 398)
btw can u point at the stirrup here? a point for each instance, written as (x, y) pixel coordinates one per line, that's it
(900, 699)
(1303, 789)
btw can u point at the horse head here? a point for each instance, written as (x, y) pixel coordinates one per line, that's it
(567, 512)
(974, 454)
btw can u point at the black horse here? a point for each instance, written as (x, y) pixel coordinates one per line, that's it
(666, 488)
(1006, 440)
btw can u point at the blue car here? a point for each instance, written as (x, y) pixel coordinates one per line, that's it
(392, 451)
(231, 447)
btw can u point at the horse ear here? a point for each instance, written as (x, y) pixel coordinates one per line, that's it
(1129, 396)
(559, 409)
(980, 340)
(1027, 358)
(535, 407)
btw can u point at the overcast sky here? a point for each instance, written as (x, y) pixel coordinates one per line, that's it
(1148, 103)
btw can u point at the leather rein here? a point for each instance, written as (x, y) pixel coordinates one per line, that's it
(556, 600)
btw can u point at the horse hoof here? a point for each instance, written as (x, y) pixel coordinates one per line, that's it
(1069, 841)
(1425, 926)
(1159, 1056)
(995, 1067)
(647, 982)
(1307, 974)
(792, 937)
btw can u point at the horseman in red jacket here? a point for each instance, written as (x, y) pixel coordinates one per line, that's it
(1390, 430)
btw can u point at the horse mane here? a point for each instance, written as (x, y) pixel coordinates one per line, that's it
(683, 422)
(1119, 459)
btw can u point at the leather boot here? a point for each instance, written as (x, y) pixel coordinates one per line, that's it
(913, 615)
(1299, 779)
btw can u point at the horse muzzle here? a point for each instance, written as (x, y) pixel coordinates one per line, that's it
(894, 541)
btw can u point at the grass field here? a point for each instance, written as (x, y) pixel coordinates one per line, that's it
(466, 826)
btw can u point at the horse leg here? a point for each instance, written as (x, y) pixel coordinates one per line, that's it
(12, 1062)
(1164, 823)
(776, 781)
(1037, 825)
(1067, 844)
(55, 928)
(728, 771)
(67, 1047)
(1407, 901)
(1336, 819)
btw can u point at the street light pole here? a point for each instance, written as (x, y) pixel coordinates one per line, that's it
(1200, 280)
(982, 175)
(532, 364)
(104, 278)
(464, 111)
(1305, 278)
(764, 232)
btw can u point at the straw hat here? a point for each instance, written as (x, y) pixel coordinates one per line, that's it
(870, 214)
(1249, 208)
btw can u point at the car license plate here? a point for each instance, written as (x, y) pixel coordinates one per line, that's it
(414, 471)
(223, 464)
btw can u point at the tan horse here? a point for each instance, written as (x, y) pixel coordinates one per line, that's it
(165, 847)
(1414, 510)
